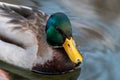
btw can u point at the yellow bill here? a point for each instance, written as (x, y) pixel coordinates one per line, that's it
(72, 51)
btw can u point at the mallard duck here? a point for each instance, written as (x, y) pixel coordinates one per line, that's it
(33, 40)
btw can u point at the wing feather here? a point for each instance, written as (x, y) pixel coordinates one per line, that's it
(20, 24)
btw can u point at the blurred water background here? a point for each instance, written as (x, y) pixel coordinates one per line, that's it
(96, 29)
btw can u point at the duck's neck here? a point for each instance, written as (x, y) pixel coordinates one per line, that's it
(53, 60)
(44, 54)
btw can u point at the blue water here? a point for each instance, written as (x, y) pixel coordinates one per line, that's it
(96, 29)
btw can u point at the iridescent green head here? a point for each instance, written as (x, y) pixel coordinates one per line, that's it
(59, 33)
(58, 28)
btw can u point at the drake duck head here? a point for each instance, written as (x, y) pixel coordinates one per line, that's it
(59, 37)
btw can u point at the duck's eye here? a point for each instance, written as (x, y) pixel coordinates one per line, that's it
(61, 32)
(56, 28)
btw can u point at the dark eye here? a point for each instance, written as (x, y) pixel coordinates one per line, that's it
(59, 30)
(56, 28)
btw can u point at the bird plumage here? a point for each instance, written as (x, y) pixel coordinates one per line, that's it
(23, 40)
